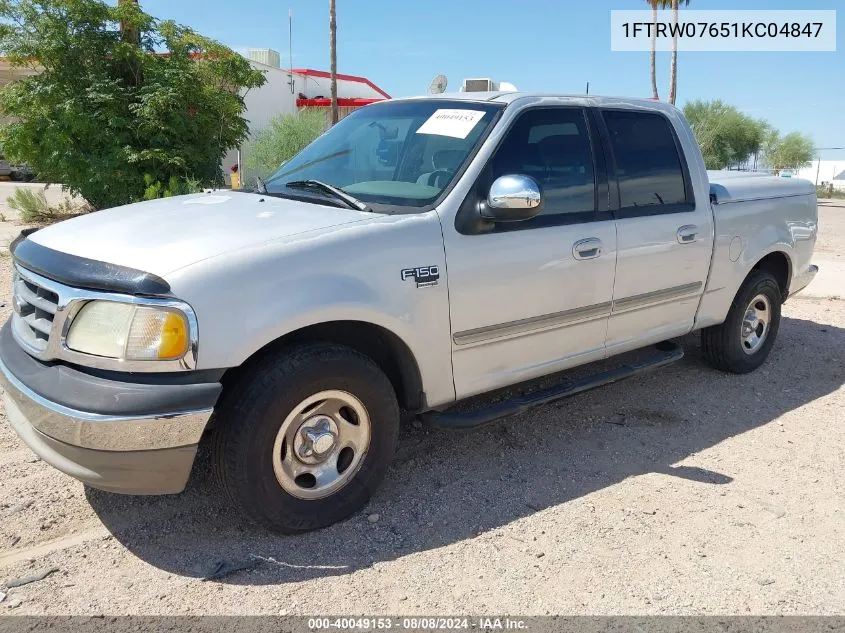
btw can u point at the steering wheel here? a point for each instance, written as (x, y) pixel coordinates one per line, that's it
(433, 176)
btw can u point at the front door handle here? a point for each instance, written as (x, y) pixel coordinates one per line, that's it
(587, 249)
(687, 234)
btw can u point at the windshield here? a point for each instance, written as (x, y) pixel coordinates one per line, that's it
(395, 153)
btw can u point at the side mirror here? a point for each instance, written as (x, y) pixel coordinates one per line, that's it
(513, 198)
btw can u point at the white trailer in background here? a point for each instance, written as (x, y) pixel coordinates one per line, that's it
(825, 173)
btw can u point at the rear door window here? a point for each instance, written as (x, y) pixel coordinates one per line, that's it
(648, 164)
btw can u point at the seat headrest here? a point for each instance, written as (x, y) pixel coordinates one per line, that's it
(561, 149)
(447, 158)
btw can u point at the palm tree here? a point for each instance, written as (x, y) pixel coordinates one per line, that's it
(654, 4)
(673, 71)
(333, 58)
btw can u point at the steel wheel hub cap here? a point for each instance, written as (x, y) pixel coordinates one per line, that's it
(316, 438)
(321, 444)
(755, 324)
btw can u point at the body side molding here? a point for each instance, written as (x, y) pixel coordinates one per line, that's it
(578, 315)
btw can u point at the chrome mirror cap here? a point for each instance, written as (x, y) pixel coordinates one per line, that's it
(512, 198)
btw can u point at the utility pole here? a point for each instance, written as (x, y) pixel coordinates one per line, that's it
(333, 56)
(290, 50)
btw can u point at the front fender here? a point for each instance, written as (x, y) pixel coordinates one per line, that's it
(248, 299)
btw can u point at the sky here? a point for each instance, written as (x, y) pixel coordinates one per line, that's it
(538, 45)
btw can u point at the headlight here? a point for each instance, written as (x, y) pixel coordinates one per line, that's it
(129, 332)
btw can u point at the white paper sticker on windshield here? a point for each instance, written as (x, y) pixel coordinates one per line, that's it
(456, 123)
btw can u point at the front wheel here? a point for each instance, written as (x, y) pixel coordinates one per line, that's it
(306, 437)
(743, 342)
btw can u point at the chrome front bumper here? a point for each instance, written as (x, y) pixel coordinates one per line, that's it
(135, 454)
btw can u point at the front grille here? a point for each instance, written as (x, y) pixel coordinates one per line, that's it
(35, 307)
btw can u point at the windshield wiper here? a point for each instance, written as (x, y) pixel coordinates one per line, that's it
(350, 201)
(310, 163)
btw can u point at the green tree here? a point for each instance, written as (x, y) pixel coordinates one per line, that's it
(726, 135)
(105, 116)
(283, 138)
(791, 152)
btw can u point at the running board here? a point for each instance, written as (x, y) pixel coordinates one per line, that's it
(668, 352)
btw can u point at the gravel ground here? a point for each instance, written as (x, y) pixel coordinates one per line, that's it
(684, 491)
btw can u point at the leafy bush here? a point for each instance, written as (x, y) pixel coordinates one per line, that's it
(729, 137)
(829, 192)
(792, 151)
(31, 205)
(284, 137)
(173, 187)
(726, 135)
(34, 208)
(104, 110)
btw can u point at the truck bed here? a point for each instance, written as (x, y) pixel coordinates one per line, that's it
(742, 186)
(756, 214)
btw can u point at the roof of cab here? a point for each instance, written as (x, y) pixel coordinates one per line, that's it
(511, 97)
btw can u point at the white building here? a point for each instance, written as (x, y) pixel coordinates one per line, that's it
(825, 172)
(287, 91)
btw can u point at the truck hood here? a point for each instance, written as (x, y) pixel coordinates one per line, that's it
(161, 236)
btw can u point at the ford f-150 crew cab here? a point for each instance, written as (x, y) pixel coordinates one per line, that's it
(419, 252)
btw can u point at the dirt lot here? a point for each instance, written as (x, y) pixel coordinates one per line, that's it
(684, 491)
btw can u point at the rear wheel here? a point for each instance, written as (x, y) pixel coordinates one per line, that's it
(304, 438)
(743, 342)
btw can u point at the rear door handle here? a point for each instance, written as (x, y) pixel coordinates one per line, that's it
(587, 249)
(687, 234)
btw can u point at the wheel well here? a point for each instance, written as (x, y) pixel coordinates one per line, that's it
(386, 349)
(779, 265)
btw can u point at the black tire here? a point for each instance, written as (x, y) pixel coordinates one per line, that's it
(252, 413)
(722, 345)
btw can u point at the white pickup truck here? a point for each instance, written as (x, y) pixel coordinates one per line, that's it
(420, 252)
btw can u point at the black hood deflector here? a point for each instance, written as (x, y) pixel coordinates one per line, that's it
(81, 272)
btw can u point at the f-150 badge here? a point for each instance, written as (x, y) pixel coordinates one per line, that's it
(424, 276)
